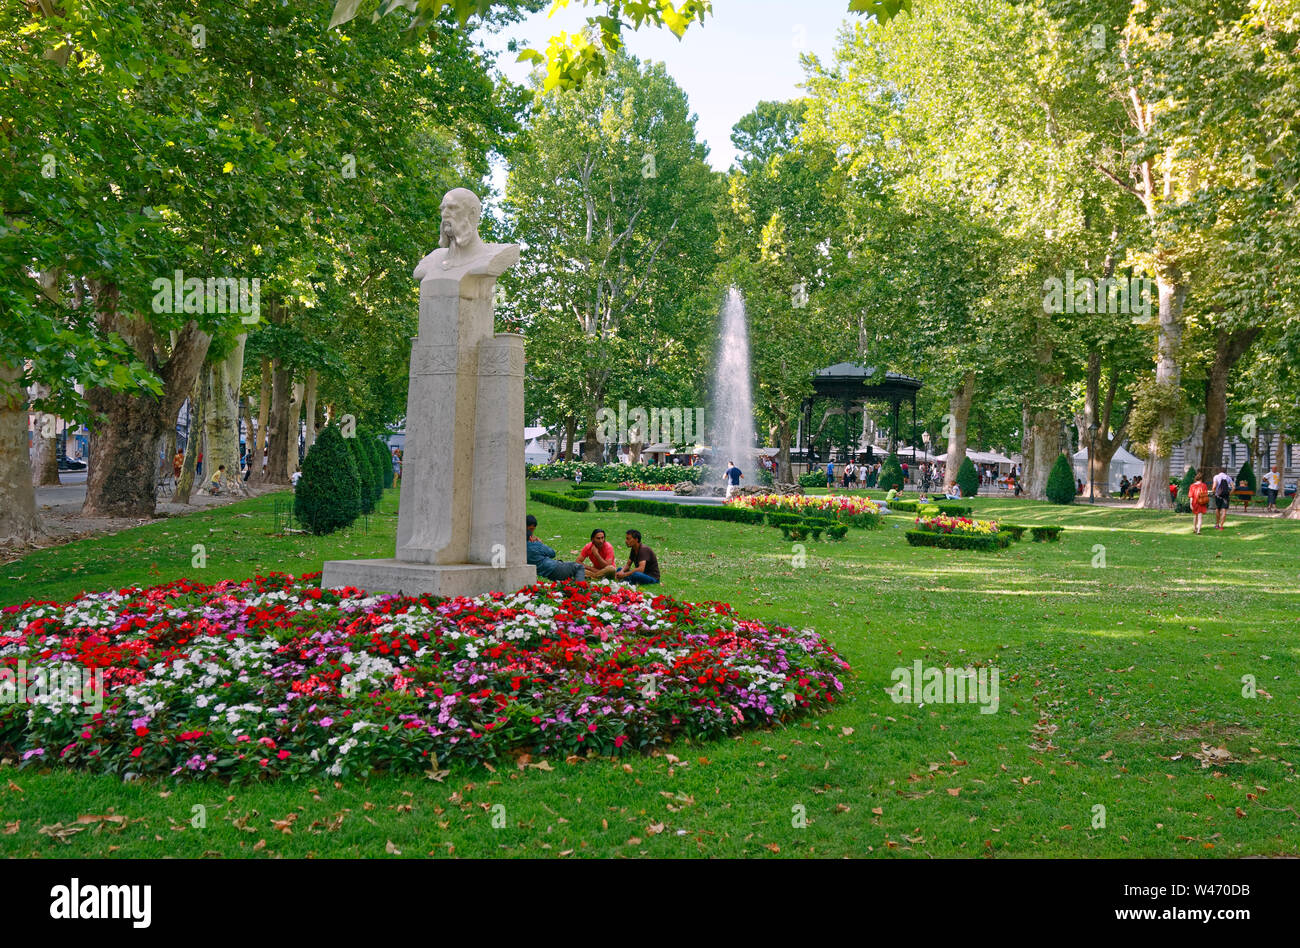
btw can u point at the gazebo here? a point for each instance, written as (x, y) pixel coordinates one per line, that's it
(848, 384)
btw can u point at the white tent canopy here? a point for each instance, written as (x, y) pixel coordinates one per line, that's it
(1123, 463)
(981, 457)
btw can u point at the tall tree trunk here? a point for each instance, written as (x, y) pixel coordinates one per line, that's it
(278, 422)
(959, 408)
(1100, 411)
(1044, 446)
(193, 445)
(313, 377)
(1172, 288)
(295, 417)
(19, 523)
(262, 448)
(223, 427)
(45, 439)
(784, 475)
(128, 434)
(570, 432)
(246, 413)
(1229, 347)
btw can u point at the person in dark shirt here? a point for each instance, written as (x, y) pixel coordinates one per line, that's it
(543, 557)
(642, 565)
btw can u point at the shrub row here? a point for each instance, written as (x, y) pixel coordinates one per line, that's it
(553, 499)
(617, 473)
(959, 541)
(1051, 534)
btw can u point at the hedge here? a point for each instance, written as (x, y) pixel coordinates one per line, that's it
(953, 510)
(582, 493)
(775, 518)
(959, 541)
(1051, 534)
(655, 507)
(1015, 530)
(904, 506)
(617, 473)
(968, 479)
(558, 500)
(604, 505)
(712, 512)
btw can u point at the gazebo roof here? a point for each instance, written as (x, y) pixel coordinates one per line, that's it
(850, 380)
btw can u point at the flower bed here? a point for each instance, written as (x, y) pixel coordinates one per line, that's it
(274, 677)
(858, 511)
(943, 523)
(641, 485)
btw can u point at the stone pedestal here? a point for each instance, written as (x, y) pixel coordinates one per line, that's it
(460, 526)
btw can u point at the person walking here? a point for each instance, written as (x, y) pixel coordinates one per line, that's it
(830, 473)
(1222, 487)
(1199, 497)
(1272, 481)
(732, 476)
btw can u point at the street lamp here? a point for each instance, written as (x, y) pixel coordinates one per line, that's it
(1092, 446)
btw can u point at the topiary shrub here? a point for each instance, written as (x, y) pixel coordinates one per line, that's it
(1183, 502)
(374, 470)
(1050, 534)
(365, 478)
(328, 493)
(1247, 474)
(968, 479)
(1061, 487)
(891, 474)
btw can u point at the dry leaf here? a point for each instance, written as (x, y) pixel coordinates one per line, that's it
(391, 849)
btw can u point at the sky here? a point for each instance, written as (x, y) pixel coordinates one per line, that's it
(746, 52)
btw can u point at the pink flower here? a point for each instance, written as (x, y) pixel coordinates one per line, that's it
(282, 755)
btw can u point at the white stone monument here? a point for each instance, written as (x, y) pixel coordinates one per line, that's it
(460, 526)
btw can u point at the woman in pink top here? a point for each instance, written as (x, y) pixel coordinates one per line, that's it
(601, 554)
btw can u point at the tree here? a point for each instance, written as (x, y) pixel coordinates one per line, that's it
(611, 193)
(571, 59)
(1183, 503)
(327, 496)
(365, 477)
(1061, 488)
(891, 473)
(968, 479)
(1246, 479)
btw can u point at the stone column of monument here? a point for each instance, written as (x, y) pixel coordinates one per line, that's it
(460, 528)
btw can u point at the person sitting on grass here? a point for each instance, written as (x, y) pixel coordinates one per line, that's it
(543, 557)
(893, 492)
(642, 565)
(954, 493)
(601, 554)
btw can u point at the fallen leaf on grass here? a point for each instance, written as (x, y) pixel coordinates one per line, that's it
(11, 828)
(391, 849)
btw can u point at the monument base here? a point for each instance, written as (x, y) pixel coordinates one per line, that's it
(414, 579)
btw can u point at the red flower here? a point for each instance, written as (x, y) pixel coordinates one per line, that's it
(137, 752)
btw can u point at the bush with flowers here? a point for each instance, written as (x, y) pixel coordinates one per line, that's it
(857, 511)
(275, 677)
(641, 485)
(943, 523)
(958, 533)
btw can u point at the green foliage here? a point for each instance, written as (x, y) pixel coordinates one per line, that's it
(968, 479)
(1050, 534)
(1061, 486)
(905, 506)
(717, 512)
(608, 476)
(1247, 474)
(1183, 503)
(891, 473)
(328, 493)
(558, 500)
(1014, 530)
(655, 507)
(959, 541)
(606, 505)
(365, 475)
(953, 509)
(813, 478)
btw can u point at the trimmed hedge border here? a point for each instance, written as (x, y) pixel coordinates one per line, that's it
(1050, 534)
(952, 509)
(958, 541)
(558, 500)
(1014, 529)
(606, 505)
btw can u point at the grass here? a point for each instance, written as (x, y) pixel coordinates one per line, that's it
(1114, 679)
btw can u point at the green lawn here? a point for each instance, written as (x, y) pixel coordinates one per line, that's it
(1113, 680)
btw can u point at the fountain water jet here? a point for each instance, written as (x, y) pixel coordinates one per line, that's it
(733, 398)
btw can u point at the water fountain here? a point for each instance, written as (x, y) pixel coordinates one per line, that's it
(733, 398)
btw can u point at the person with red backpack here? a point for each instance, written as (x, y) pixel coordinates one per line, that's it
(1199, 496)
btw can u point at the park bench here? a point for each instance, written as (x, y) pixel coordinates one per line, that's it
(1245, 497)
